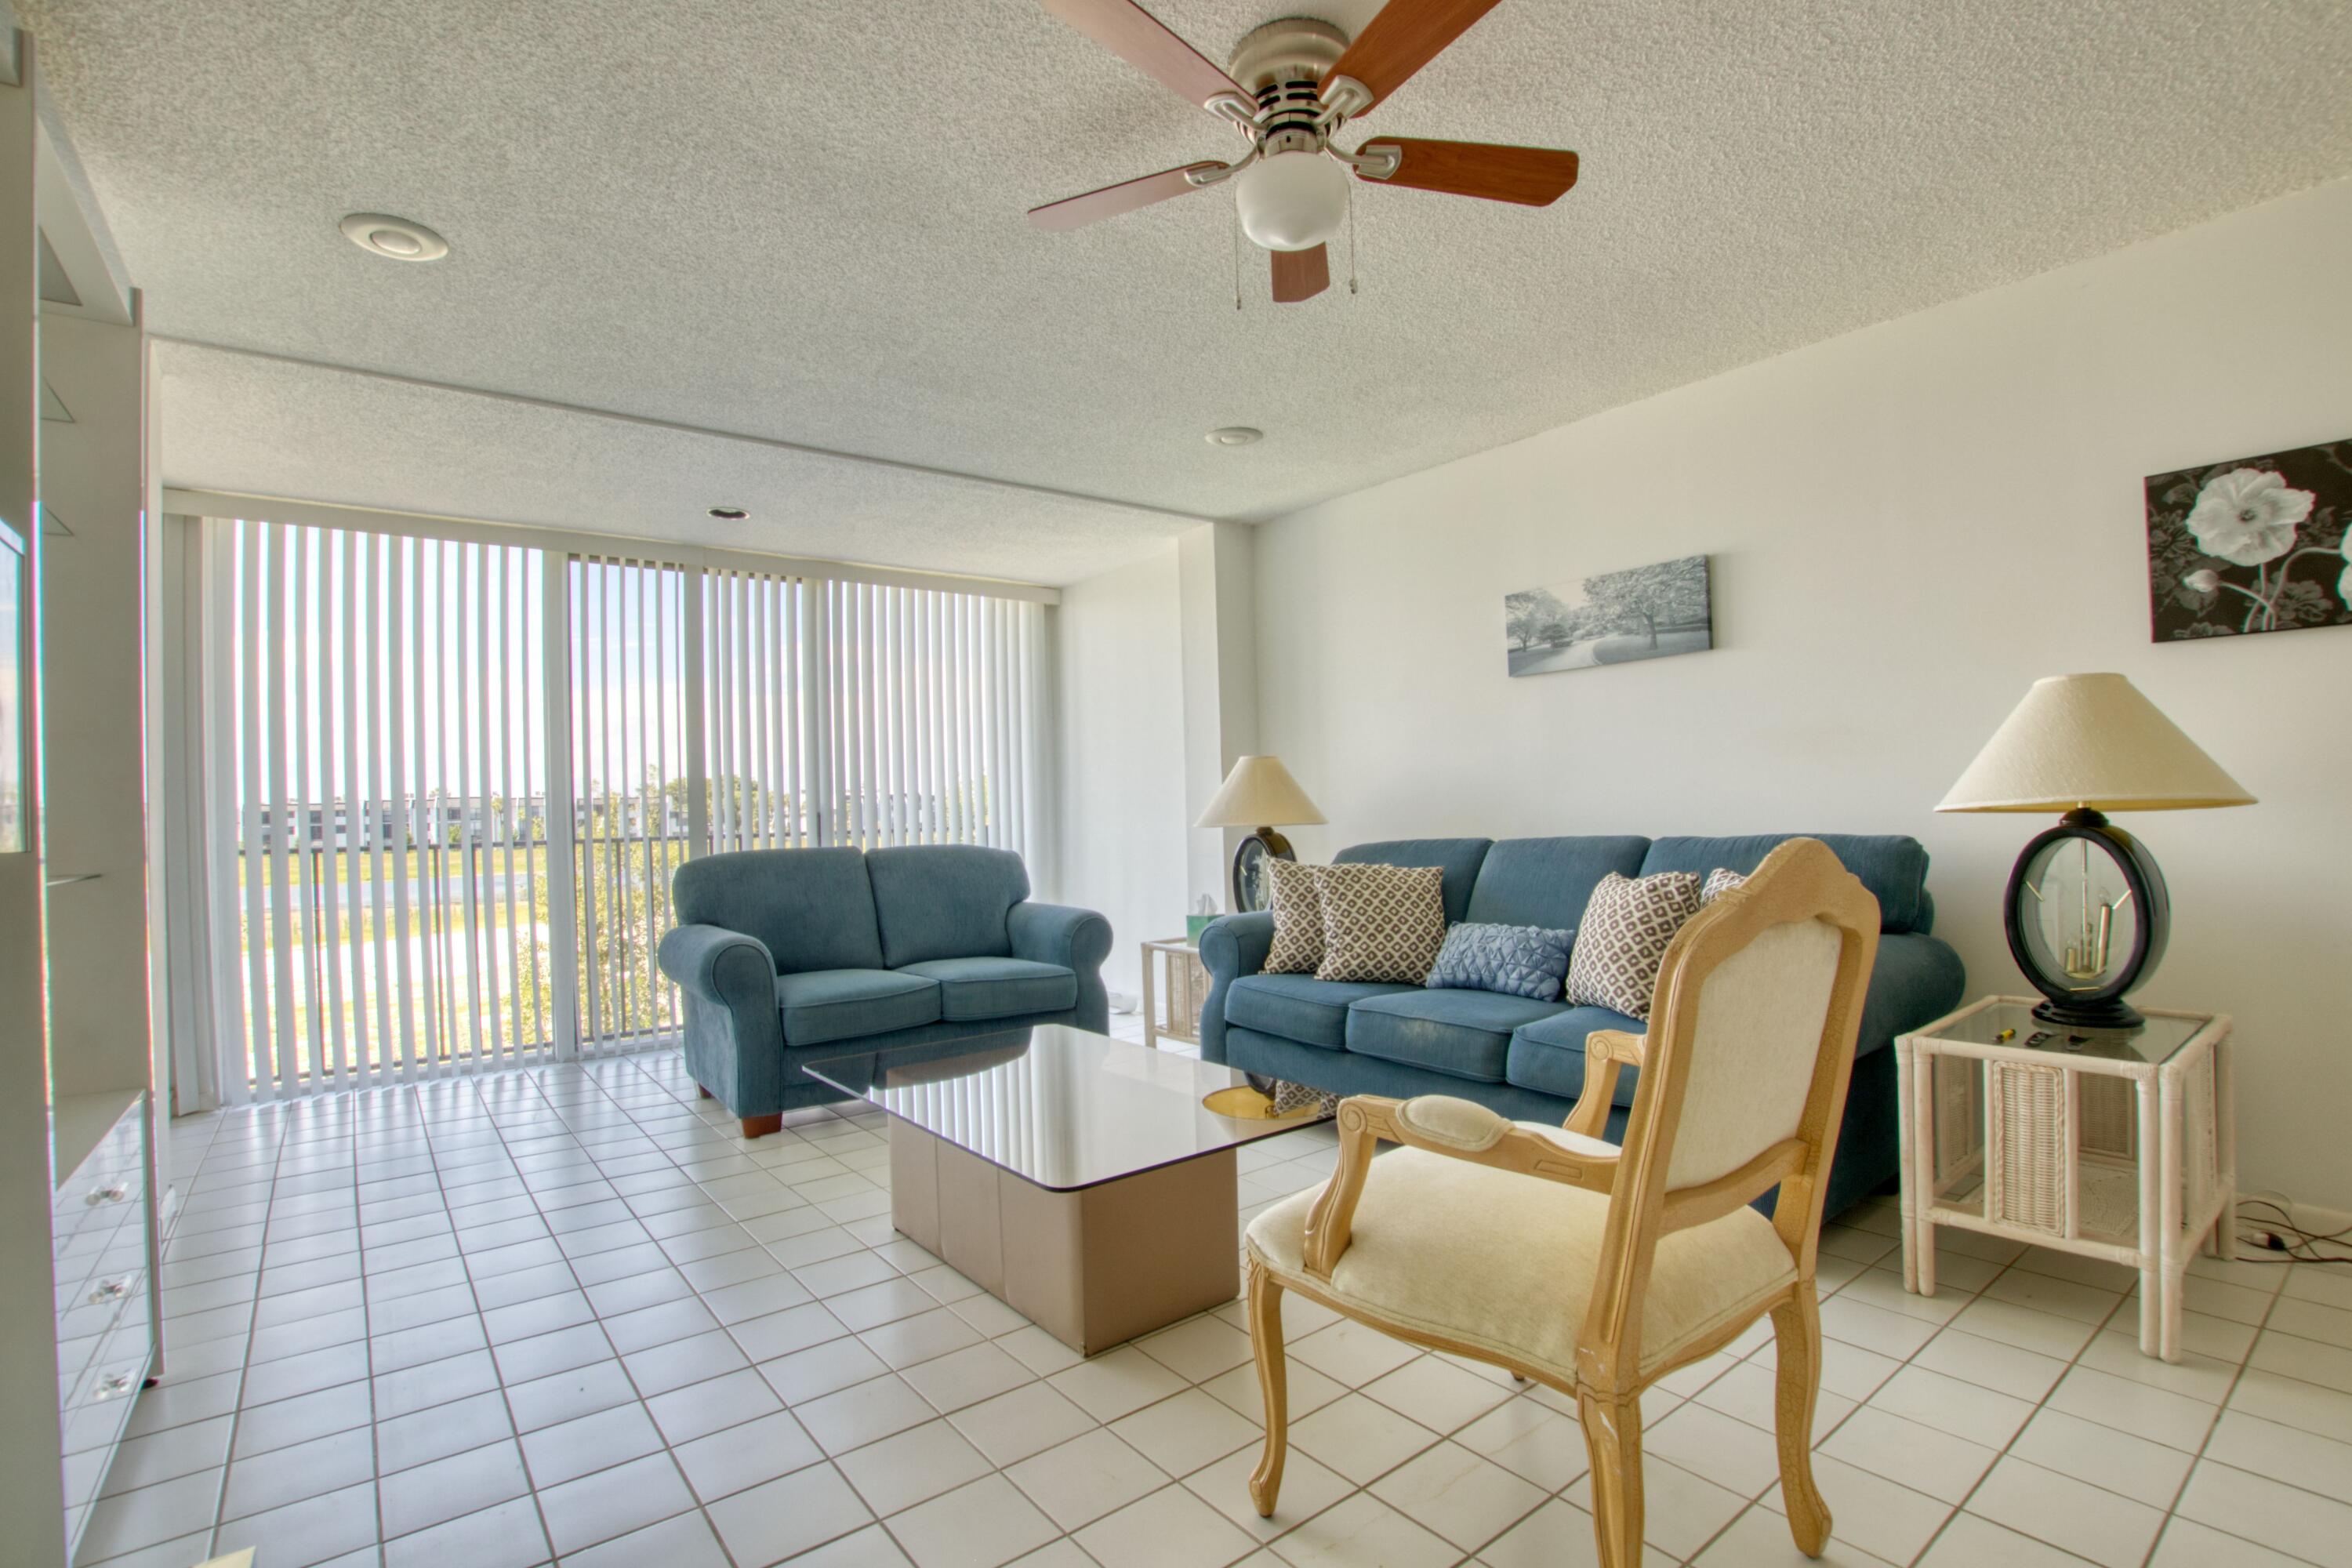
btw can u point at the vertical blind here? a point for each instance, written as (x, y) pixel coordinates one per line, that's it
(446, 783)
(629, 780)
(842, 712)
(375, 815)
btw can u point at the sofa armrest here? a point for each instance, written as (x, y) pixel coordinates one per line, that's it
(1915, 980)
(1078, 940)
(1057, 933)
(722, 967)
(1233, 946)
(1236, 945)
(734, 1031)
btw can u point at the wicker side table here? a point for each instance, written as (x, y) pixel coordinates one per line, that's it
(1172, 998)
(2120, 1146)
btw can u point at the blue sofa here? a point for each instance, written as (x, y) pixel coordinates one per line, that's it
(1525, 1059)
(787, 955)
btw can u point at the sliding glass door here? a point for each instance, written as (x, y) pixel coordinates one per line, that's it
(447, 782)
(377, 806)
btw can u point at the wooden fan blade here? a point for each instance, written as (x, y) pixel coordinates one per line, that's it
(1531, 176)
(1406, 36)
(1301, 274)
(1076, 212)
(1137, 36)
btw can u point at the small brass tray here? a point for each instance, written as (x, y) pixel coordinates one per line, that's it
(1246, 1104)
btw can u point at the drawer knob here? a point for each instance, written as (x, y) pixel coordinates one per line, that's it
(113, 1193)
(112, 1291)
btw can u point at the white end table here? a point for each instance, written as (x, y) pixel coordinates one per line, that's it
(2121, 1146)
(1171, 1008)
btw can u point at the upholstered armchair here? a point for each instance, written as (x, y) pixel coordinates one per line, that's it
(1597, 1269)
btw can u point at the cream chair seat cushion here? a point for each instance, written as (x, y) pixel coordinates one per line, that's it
(1504, 1263)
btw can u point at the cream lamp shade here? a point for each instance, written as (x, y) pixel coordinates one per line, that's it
(2087, 914)
(1259, 792)
(2091, 742)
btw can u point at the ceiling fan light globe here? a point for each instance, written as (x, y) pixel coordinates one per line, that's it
(1292, 201)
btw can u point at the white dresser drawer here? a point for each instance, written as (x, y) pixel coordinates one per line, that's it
(106, 1342)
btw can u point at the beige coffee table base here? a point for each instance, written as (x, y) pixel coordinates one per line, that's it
(1094, 1268)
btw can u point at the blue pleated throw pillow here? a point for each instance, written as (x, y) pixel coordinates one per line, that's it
(1518, 960)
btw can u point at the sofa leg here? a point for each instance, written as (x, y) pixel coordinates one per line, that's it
(701, 1092)
(760, 1126)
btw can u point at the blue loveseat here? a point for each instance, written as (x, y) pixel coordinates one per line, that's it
(1525, 1059)
(787, 955)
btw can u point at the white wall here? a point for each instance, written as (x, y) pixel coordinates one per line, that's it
(1119, 694)
(1215, 581)
(1908, 525)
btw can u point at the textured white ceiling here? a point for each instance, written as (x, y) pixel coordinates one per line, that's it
(803, 222)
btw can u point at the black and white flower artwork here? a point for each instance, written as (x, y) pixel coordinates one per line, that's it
(2256, 545)
(1643, 612)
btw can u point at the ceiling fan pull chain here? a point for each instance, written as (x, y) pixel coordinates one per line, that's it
(1352, 237)
(1237, 258)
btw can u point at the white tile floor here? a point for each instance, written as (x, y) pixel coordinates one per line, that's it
(497, 1321)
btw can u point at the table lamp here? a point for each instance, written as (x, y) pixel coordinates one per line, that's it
(1258, 792)
(2087, 913)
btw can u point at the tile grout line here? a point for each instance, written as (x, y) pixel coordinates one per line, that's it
(531, 1075)
(2238, 1375)
(570, 1114)
(245, 1363)
(465, 1265)
(642, 1401)
(1906, 1362)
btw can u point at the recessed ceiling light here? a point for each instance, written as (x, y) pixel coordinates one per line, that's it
(1234, 436)
(395, 238)
(729, 513)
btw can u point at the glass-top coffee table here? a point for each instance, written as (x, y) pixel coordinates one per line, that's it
(1082, 1181)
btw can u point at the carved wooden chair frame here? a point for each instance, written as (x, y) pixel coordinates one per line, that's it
(1802, 879)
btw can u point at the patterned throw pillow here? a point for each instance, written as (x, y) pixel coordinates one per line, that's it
(1380, 922)
(1718, 882)
(1297, 918)
(1622, 939)
(1518, 960)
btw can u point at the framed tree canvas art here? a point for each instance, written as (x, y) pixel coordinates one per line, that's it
(1643, 612)
(2255, 544)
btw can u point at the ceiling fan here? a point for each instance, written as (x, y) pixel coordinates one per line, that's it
(1288, 86)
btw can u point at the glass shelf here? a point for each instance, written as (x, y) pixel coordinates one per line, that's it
(2013, 1023)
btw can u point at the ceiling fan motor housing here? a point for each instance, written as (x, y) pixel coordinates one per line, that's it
(1294, 50)
(1283, 64)
(1289, 199)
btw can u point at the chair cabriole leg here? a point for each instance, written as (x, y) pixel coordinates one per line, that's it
(1265, 1340)
(1612, 1441)
(1797, 1340)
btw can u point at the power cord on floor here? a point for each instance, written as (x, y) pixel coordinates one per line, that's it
(2290, 1242)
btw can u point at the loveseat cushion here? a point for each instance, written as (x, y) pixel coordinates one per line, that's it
(998, 987)
(843, 1003)
(812, 908)
(1548, 881)
(1893, 866)
(1548, 1056)
(1299, 1006)
(1461, 1034)
(944, 901)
